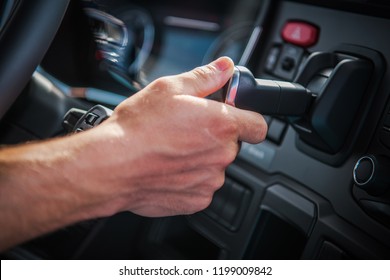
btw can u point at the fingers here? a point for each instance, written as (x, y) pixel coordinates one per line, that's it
(202, 81)
(251, 126)
(207, 79)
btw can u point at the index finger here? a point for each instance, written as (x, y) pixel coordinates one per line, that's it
(252, 127)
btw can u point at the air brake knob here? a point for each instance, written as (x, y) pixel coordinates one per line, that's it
(267, 97)
(371, 173)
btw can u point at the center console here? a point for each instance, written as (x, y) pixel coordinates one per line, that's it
(297, 194)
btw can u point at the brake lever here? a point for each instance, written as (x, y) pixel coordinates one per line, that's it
(267, 97)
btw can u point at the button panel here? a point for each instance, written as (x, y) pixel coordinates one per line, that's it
(284, 61)
(272, 58)
(276, 130)
(229, 205)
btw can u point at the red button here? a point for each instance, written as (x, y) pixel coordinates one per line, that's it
(300, 33)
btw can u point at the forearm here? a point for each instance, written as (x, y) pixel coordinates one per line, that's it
(37, 194)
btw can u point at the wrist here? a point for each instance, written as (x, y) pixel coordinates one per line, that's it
(37, 193)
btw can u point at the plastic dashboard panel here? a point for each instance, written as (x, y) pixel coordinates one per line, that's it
(338, 227)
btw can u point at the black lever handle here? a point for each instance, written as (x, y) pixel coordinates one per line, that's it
(267, 97)
(76, 120)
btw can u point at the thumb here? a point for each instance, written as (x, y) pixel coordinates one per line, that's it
(207, 79)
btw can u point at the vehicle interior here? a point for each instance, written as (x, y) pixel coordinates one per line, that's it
(316, 188)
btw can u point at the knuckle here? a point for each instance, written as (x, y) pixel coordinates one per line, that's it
(219, 181)
(203, 203)
(124, 112)
(231, 155)
(203, 72)
(216, 182)
(226, 127)
(202, 77)
(227, 156)
(160, 85)
(206, 192)
(231, 126)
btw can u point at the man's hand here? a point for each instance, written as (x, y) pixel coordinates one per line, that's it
(163, 152)
(167, 147)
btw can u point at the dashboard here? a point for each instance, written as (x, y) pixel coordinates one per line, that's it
(141, 41)
(316, 188)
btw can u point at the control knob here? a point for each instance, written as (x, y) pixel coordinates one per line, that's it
(372, 174)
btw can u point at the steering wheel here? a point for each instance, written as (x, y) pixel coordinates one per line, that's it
(25, 36)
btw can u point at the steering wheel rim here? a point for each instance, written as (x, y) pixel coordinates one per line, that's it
(24, 40)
